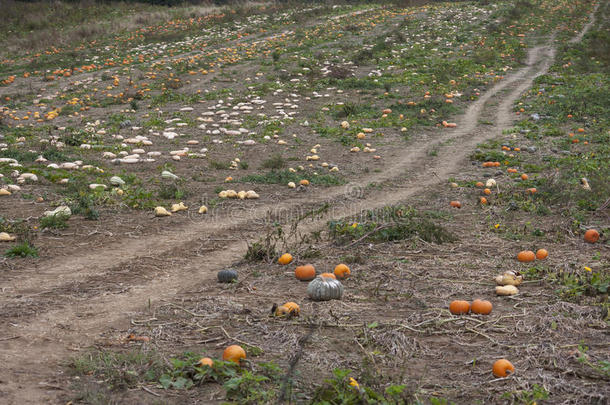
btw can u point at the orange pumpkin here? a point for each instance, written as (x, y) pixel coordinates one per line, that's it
(456, 204)
(234, 353)
(542, 254)
(591, 236)
(458, 307)
(285, 258)
(524, 176)
(305, 273)
(342, 271)
(531, 190)
(526, 256)
(205, 361)
(479, 184)
(487, 191)
(503, 368)
(304, 182)
(483, 201)
(481, 307)
(328, 275)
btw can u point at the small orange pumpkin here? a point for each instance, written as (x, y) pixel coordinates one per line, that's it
(342, 271)
(458, 307)
(591, 236)
(304, 182)
(503, 368)
(526, 256)
(479, 184)
(456, 204)
(487, 191)
(234, 353)
(542, 254)
(531, 190)
(481, 307)
(285, 258)
(483, 201)
(205, 361)
(305, 273)
(328, 275)
(524, 176)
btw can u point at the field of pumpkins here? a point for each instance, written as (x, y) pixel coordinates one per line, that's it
(306, 202)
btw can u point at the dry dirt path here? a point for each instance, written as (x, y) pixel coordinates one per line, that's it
(73, 311)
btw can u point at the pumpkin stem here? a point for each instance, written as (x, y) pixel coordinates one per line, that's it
(273, 309)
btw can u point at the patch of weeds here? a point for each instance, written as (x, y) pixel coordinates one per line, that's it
(214, 164)
(286, 176)
(24, 249)
(172, 192)
(119, 370)
(265, 249)
(244, 386)
(85, 206)
(601, 367)
(275, 162)
(342, 389)
(537, 393)
(57, 221)
(575, 285)
(389, 224)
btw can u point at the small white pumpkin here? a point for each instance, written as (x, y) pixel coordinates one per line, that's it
(324, 289)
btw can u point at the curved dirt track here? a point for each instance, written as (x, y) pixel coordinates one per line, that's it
(34, 346)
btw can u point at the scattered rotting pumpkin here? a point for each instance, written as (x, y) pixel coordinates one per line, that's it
(526, 256)
(507, 290)
(481, 307)
(509, 278)
(289, 309)
(5, 237)
(227, 276)
(502, 368)
(305, 273)
(162, 212)
(342, 271)
(234, 353)
(459, 307)
(591, 236)
(285, 259)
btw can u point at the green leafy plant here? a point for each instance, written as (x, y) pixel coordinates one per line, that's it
(24, 249)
